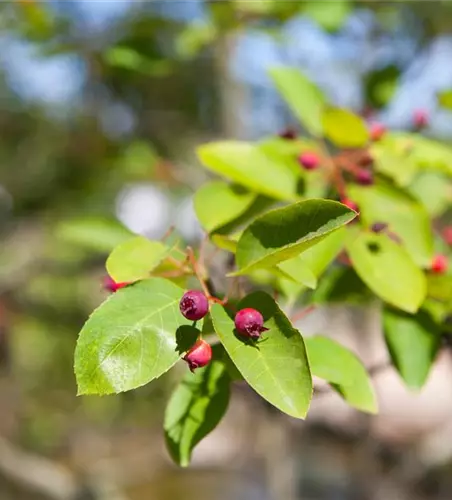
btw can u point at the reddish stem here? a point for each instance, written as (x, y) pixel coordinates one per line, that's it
(304, 312)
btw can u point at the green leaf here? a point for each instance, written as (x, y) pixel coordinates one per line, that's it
(433, 190)
(285, 232)
(196, 407)
(344, 128)
(413, 341)
(393, 162)
(245, 164)
(315, 260)
(445, 99)
(228, 243)
(218, 203)
(304, 98)
(334, 363)
(405, 216)
(100, 235)
(135, 336)
(276, 367)
(330, 16)
(135, 259)
(388, 270)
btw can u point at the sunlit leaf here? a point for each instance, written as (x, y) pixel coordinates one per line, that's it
(344, 128)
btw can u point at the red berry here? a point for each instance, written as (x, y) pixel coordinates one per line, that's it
(364, 177)
(288, 134)
(308, 160)
(420, 118)
(199, 355)
(111, 285)
(439, 264)
(194, 305)
(377, 131)
(447, 235)
(350, 204)
(249, 323)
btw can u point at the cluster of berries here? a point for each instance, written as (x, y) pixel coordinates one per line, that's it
(194, 305)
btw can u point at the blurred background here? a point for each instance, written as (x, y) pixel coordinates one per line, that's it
(102, 103)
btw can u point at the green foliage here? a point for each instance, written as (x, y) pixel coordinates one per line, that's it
(133, 337)
(271, 217)
(387, 269)
(303, 97)
(195, 409)
(413, 341)
(275, 366)
(328, 15)
(339, 366)
(247, 165)
(344, 128)
(135, 259)
(285, 232)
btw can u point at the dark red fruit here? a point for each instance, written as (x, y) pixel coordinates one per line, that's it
(447, 235)
(439, 264)
(249, 323)
(377, 131)
(199, 355)
(420, 118)
(364, 177)
(378, 227)
(350, 204)
(288, 134)
(112, 286)
(309, 160)
(194, 305)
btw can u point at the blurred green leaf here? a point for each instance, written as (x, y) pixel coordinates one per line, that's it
(245, 164)
(276, 367)
(195, 408)
(330, 16)
(445, 99)
(217, 203)
(135, 259)
(392, 161)
(413, 341)
(128, 58)
(285, 232)
(298, 272)
(388, 270)
(344, 128)
(97, 234)
(381, 84)
(404, 215)
(433, 190)
(332, 362)
(132, 338)
(193, 38)
(304, 98)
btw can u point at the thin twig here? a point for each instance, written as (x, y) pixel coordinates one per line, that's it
(304, 312)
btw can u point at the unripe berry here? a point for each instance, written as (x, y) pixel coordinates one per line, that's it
(378, 227)
(447, 235)
(309, 160)
(439, 264)
(199, 355)
(420, 118)
(350, 204)
(377, 131)
(249, 323)
(364, 177)
(288, 134)
(112, 286)
(194, 305)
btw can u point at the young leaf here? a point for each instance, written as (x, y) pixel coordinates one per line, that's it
(135, 336)
(196, 407)
(285, 232)
(405, 216)
(218, 203)
(344, 128)
(135, 259)
(413, 341)
(334, 363)
(275, 366)
(329, 15)
(388, 270)
(304, 98)
(246, 165)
